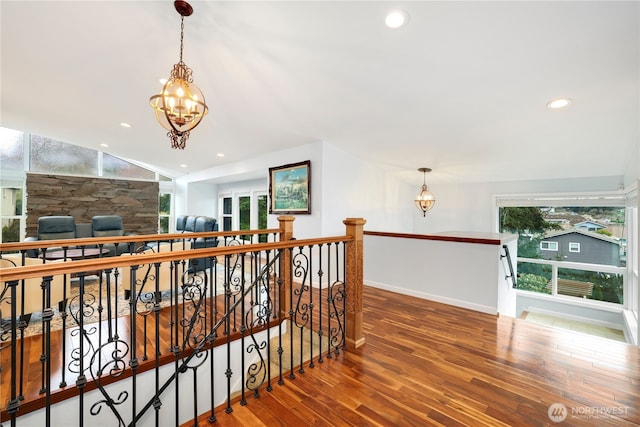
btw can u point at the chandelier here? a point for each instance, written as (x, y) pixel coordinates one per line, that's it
(425, 200)
(180, 106)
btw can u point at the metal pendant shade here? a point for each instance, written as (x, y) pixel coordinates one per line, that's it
(425, 199)
(180, 106)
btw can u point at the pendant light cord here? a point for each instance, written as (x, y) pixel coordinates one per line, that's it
(181, 36)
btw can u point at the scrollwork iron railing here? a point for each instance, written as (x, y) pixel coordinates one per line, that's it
(183, 340)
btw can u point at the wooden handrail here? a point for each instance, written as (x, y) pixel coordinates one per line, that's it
(469, 237)
(76, 266)
(135, 238)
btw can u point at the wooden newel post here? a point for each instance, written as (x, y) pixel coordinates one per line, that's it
(354, 282)
(286, 233)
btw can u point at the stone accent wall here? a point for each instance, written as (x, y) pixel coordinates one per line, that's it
(135, 201)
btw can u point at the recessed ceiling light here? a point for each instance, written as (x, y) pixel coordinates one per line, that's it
(125, 125)
(104, 145)
(220, 155)
(396, 19)
(183, 166)
(558, 103)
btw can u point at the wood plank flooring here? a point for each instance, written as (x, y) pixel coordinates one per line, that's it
(426, 363)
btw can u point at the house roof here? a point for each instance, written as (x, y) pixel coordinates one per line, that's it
(552, 234)
(589, 223)
(461, 89)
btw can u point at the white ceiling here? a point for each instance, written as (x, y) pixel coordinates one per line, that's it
(461, 89)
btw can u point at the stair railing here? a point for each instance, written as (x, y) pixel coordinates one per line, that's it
(246, 299)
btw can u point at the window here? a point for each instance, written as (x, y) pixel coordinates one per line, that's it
(49, 155)
(245, 209)
(11, 210)
(11, 149)
(164, 212)
(244, 214)
(227, 212)
(114, 167)
(552, 243)
(549, 246)
(244, 204)
(262, 216)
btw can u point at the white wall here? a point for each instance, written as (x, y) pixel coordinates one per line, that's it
(202, 199)
(355, 188)
(249, 186)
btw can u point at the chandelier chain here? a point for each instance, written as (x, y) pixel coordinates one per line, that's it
(181, 36)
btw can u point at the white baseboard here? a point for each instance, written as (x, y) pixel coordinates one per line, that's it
(437, 298)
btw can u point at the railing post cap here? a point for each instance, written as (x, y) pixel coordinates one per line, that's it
(354, 221)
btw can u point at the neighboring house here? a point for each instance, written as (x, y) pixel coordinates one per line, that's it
(589, 226)
(580, 246)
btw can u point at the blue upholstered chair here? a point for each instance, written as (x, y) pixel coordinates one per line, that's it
(56, 227)
(108, 226)
(201, 224)
(52, 228)
(181, 221)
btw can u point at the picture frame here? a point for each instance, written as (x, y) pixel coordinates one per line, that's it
(290, 188)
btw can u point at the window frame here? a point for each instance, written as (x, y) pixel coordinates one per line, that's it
(552, 246)
(235, 196)
(626, 199)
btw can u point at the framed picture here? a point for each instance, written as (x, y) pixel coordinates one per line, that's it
(290, 189)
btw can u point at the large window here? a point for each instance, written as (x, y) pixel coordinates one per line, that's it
(558, 255)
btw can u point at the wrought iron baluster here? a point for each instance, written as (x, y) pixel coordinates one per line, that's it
(320, 298)
(243, 329)
(14, 400)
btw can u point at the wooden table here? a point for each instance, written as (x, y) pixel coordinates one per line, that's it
(75, 254)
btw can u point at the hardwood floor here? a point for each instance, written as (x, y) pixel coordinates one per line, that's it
(426, 363)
